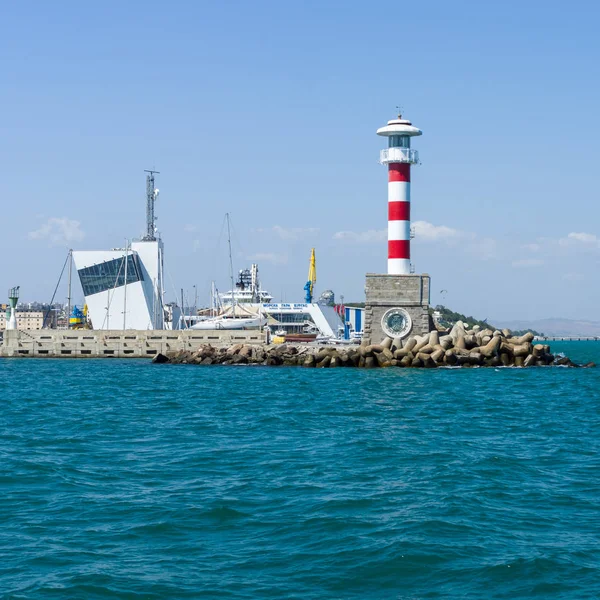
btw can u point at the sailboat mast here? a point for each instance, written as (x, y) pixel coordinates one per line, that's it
(69, 290)
(125, 287)
(230, 263)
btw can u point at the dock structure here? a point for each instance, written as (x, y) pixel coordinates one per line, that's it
(567, 338)
(54, 343)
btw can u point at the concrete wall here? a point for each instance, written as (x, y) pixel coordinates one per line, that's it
(410, 292)
(116, 344)
(399, 290)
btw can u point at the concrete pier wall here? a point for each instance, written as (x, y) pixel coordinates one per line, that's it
(52, 343)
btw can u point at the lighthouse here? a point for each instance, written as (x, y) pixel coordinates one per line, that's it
(398, 157)
(397, 302)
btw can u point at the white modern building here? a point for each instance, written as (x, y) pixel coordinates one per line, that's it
(123, 287)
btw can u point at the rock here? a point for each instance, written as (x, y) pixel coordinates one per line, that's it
(406, 361)
(160, 359)
(589, 365)
(460, 342)
(522, 350)
(491, 348)
(324, 362)
(322, 354)
(387, 343)
(429, 363)
(382, 358)
(428, 351)
(354, 358)
(475, 358)
(232, 350)
(446, 342)
(438, 355)
(401, 352)
(524, 339)
(493, 362)
(457, 330)
(246, 351)
(389, 355)
(450, 358)
(434, 338)
(409, 344)
(422, 341)
(470, 342)
(370, 362)
(373, 348)
(309, 361)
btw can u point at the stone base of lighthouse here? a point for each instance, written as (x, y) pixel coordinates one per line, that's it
(396, 306)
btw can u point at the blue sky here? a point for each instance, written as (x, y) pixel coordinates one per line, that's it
(268, 110)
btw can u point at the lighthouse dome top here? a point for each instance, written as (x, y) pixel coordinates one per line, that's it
(399, 126)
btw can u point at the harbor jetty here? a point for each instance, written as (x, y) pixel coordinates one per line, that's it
(456, 348)
(129, 343)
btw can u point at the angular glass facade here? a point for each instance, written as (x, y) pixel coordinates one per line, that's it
(110, 274)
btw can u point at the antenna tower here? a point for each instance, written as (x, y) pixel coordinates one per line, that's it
(151, 196)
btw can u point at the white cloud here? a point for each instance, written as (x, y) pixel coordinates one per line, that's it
(583, 238)
(270, 257)
(290, 234)
(424, 231)
(58, 231)
(533, 247)
(362, 237)
(579, 241)
(189, 228)
(429, 232)
(525, 263)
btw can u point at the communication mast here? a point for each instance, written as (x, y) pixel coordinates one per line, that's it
(151, 197)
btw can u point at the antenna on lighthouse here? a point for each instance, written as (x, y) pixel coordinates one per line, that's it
(151, 196)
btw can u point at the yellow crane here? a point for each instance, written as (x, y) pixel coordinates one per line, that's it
(312, 277)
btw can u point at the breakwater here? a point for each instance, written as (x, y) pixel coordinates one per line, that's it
(54, 343)
(456, 348)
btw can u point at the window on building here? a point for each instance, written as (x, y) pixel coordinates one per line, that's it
(399, 141)
(110, 274)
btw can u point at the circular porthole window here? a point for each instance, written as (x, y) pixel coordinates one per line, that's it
(396, 322)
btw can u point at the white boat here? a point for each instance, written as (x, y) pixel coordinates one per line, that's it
(247, 306)
(230, 322)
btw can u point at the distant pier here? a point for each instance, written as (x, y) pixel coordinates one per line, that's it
(83, 343)
(566, 338)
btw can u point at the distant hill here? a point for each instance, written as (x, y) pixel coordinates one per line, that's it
(556, 327)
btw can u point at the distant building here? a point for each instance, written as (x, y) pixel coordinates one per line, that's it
(354, 320)
(32, 319)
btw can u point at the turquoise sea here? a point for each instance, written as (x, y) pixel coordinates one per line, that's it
(124, 479)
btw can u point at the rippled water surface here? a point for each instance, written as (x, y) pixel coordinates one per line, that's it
(123, 479)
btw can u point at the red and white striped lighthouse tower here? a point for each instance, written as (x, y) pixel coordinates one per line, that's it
(398, 157)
